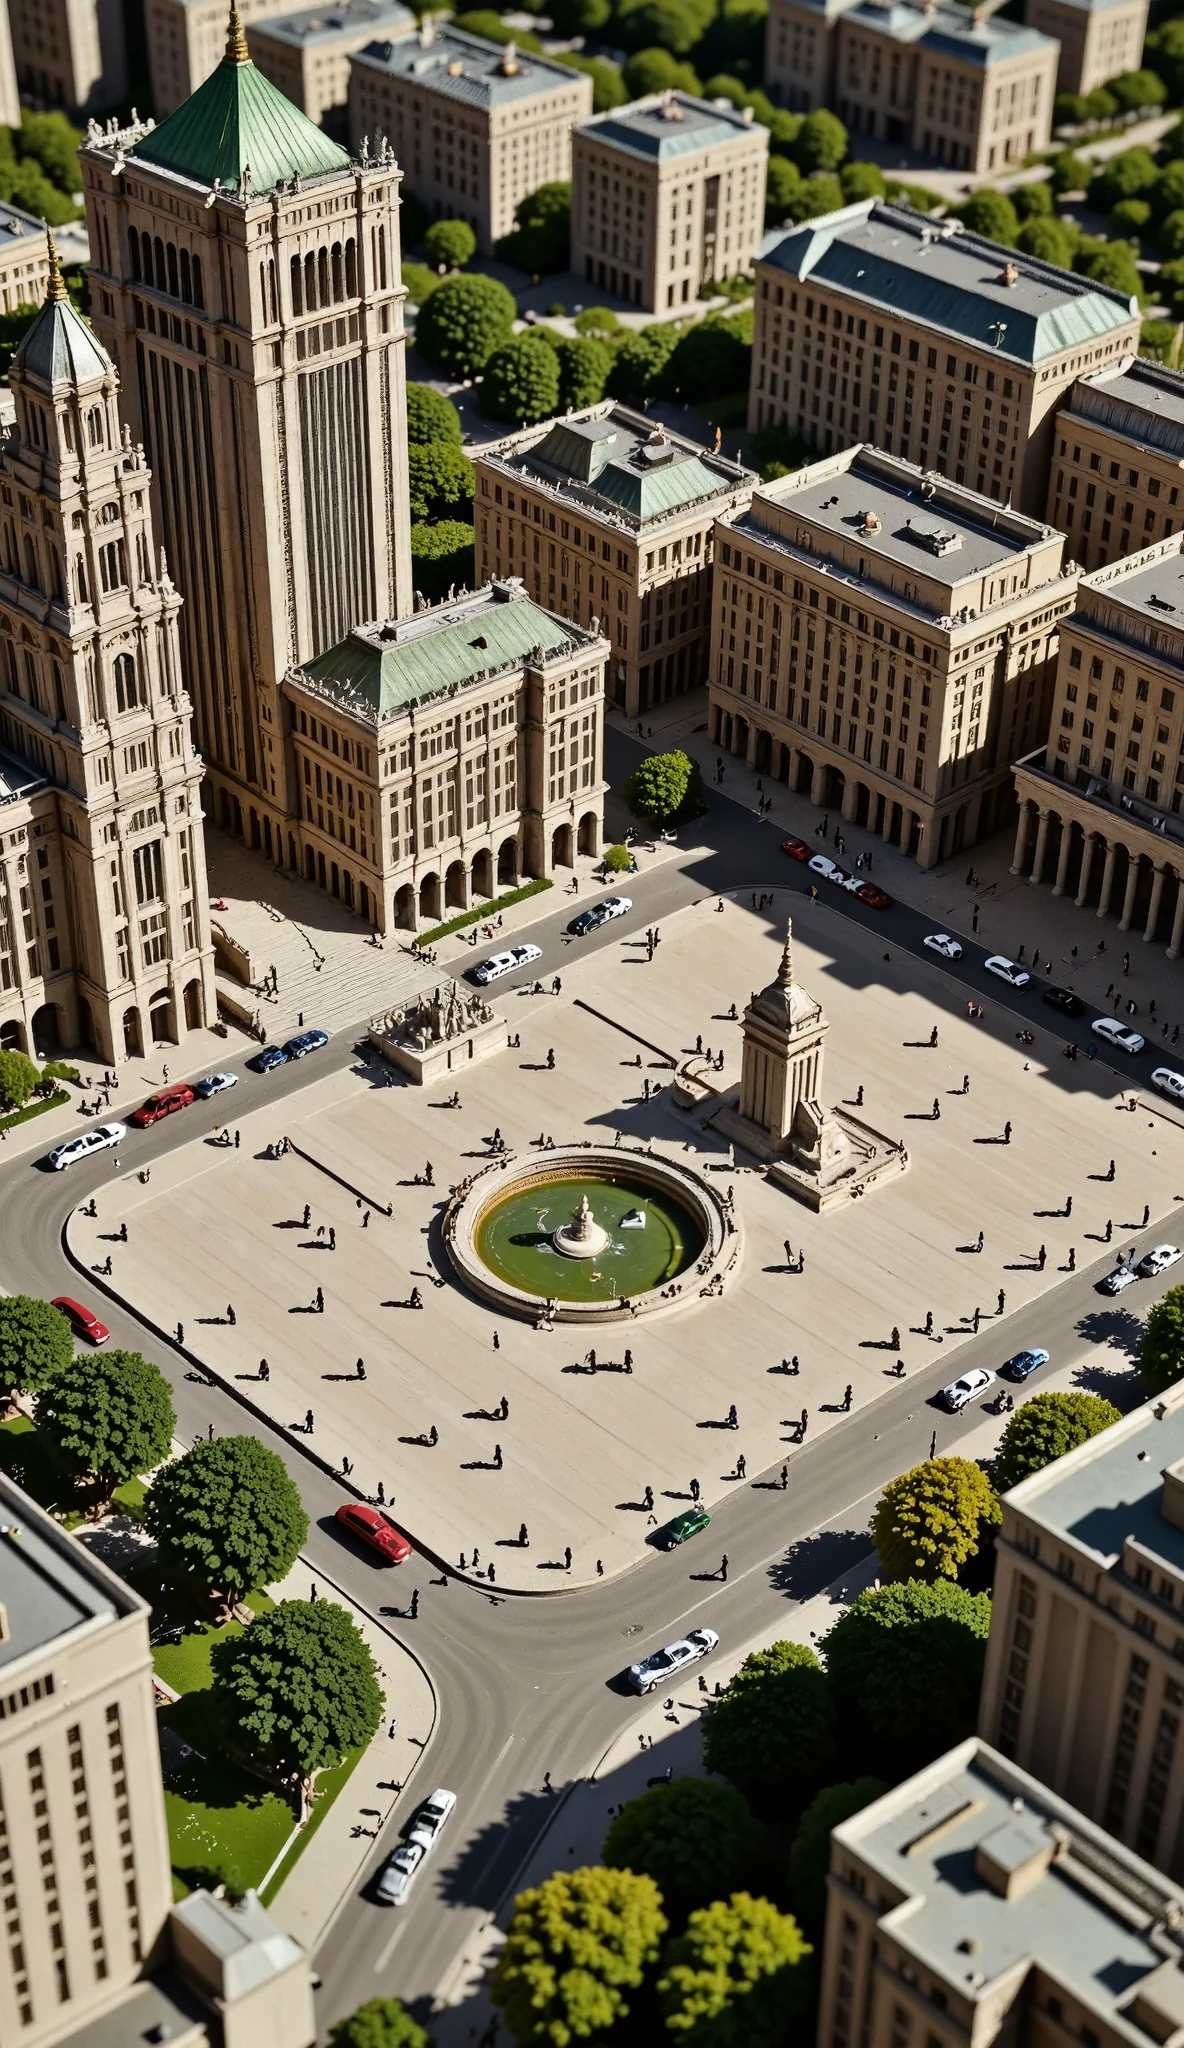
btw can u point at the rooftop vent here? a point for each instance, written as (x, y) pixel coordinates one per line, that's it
(1009, 275)
(870, 523)
(1158, 2004)
(509, 66)
(456, 68)
(657, 450)
(670, 109)
(1013, 1858)
(938, 540)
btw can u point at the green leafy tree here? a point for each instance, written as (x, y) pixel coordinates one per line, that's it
(640, 362)
(692, 1837)
(110, 1415)
(736, 37)
(658, 787)
(1171, 235)
(1171, 285)
(521, 381)
(1129, 218)
(1110, 263)
(1128, 176)
(441, 557)
(904, 1666)
(819, 194)
(297, 1689)
(928, 1522)
(227, 1515)
(579, 17)
(36, 1343)
(821, 142)
(576, 1946)
(1070, 173)
(784, 130)
(784, 180)
(657, 71)
(1138, 91)
(608, 89)
(540, 241)
(464, 321)
(597, 320)
(1045, 1428)
(18, 1079)
(440, 479)
(1033, 202)
(484, 22)
(29, 187)
(449, 244)
(1069, 110)
(431, 417)
(617, 860)
(674, 25)
(862, 181)
(584, 365)
(419, 282)
(380, 2023)
(1048, 240)
(1160, 1356)
(1168, 192)
(1158, 339)
(771, 1730)
(990, 214)
(1100, 105)
(711, 357)
(52, 142)
(736, 1977)
(809, 1856)
(1166, 46)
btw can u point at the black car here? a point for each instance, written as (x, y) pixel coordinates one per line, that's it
(588, 920)
(1064, 1000)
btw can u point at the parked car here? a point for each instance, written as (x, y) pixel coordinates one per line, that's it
(1114, 1283)
(666, 1664)
(941, 942)
(399, 1873)
(86, 1141)
(1007, 970)
(590, 920)
(960, 1391)
(376, 1529)
(504, 963)
(85, 1322)
(682, 1528)
(875, 897)
(795, 848)
(215, 1084)
(842, 878)
(431, 1817)
(821, 864)
(1169, 1082)
(1023, 1365)
(266, 1061)
(179, 1096)
(305, 1042)
(1064, 1000)
(1117, 1033)
(1157, 1260)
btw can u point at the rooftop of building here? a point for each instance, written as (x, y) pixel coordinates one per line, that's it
(892, 259)
(615, 464)
(999, 1873)
(60, 347)
(50, 1584)
(157, 2008)
(465, 67)
(952, 31)
(669, 124)
(314, 28)
(1113, 1487)
(381, 669)
(17, 778)
(235, 1947)
(1136, 398)
(1097, 6)
(15, 222)
(1141, 598)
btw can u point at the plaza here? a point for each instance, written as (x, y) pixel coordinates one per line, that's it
(219, 1227)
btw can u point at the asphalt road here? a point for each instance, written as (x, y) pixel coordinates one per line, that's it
(523, 1688)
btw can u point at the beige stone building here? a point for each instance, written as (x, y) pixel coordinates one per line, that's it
(474, 126)
(1084, 1682)
(1117, 478)
(307, 54)
(245, 276)
(1099, 39)
(606, 517)
(187, 40)
(885, 640)
(872, 324)
(24, 259)
(441, 757)
(10, 99)
(1100, 803)
(973, 1905)
(667, 198)
(69, 53)
(104, 924)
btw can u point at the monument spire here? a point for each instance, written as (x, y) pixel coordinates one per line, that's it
(785, 971)
(55, 288)
(236, 41)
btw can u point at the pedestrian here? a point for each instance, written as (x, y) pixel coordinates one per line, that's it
(803, 1425)
(547, 1786)
(788, 1252)
(497, 1457)
(649, 1498)
(237, 1139)
(359, 1370)
(230, 1315)
(346, 1467)
(332, 1237)
(1042, 1256)
(567, 1558)
(933, 1036)
(414, 1602)
(976, 1319)
(180, 1333)
(723, 1568)
(966, 1084)
(165, 1072)
(974, 919)
(429, 1176)
(264, 1372)
(733, 1418)
(936, 1109)
(365, 1219)
(307, 1214)
(1072, 1258)
(210, 1433)
(1002, 1299)
(523, 1538)
(312, 1591)
(391, 1730)
(628, 1361)
(320, 1301)
(1110, 1171)
(381, 1495)
(896, 1336)
(928, 1329)
(696, 1489)
(1068, 1205)
(981, 1241)
(308, 1422)
(847, 1398)
(1126, 963)
(1109, 1229)
(1146, 1214)
(900, 1368)
(415, 1298)
(550, 1056)
(600, 1568)
(556, 985)
(1007, 1132)
(742, 1467)
(505, 1408)
(784, 1477)
(491, 1575)
(433, 1436)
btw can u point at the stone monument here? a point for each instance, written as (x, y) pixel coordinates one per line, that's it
(583, 1237)
(433, 1034)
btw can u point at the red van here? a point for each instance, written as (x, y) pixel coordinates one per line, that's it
(179, 1096)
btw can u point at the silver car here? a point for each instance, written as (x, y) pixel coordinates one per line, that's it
(1169, 1082)
(399, 1873)
(426, 1826)
(959, 1392)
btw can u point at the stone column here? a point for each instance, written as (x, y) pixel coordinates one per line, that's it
(1107, 878)
(750, 750)
(1088, 848)
(850, 800)
(886, 828)
(1157, 882)
(1132, 882)
(1058, 887)
(818, 783)
(1177, 937)
(1041, 847)
(1021, 836)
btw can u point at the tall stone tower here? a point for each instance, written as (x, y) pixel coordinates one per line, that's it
(112, 891)
(245, 276)
(784, 1029)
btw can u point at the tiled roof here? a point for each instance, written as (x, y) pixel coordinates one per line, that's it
(668, 124)
(59, 347)
(612, 459)
(465, 68)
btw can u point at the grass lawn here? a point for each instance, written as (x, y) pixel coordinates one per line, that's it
(328, 1785)
(25, 1457)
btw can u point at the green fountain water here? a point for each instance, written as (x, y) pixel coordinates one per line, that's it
(513, 1238)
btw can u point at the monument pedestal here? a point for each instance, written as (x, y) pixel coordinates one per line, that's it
(437, 1035)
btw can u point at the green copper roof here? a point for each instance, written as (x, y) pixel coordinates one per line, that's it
(437, 651)
(239, 121)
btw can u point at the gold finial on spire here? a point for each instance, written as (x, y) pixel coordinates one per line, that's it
(236, 40)
(785, 971)
(55, 289)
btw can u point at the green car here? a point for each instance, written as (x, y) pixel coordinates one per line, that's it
(682, 1528)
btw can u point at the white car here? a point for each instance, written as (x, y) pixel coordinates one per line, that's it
(971, 1384)
(666, 1664)
(1007, 970)
(1114, 1283)
(822, 865)
(399, 1873)
(87, 1141)
(1117, 1033)
(1168, 1082)
(1157, 1260)
(215, 1084)
(941, 942)
(616, 906)
(430, 1819)
(505, 963)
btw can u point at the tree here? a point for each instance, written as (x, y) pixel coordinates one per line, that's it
(617, 860)
(809, 1857)
(413, 218)
(18, 1078)
(1050, 241)
(821, 143)
(992, 215)
(1128, 176)
(418, 282)
(784, 180)
(692, 1837)
(1032, 202)
(1044, 1429)
(584, 365)
(465, 319)
(597, 320)
(485, 23)
(1166, 44)
(819, 194)
(1129, 217)
(380, 2023)
(227, 1515)
(575, 1946)
(1069, 110)
(521, 381)
(27, 184)
(1157, 339)
(1070, 173)
(904, 1666)
(1137, 91)
(298, 1688)
(1168, 192)
(431, 417)
(36, 1343)
(440, 479)
(1160, 1355)
(710, 357)
(1112, 264)
(862, 181)
(111, 1415)
(656, 71)
(53, 142)
(579, 17)
(735, 1978)
(674, 25)
(1100, 105)
(640, 361)
(736, 37)
(540, 240)
(607, 86)
(441, 557)
(771, 1730)
(658, 787)
(927, 1522)
(449, 244)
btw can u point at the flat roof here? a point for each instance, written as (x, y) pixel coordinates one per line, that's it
(892, 259)
(17, 778)
(951, 31)
(611, 461)
(1141, 400)
(157, 2008)
(15, 221)
(50, 1584)
(1152, 588)
(1115, 1492)
(314, 27)
(465, 67)
(668, 124)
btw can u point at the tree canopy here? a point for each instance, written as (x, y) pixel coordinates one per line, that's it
(1128, 176)
(380, 2023)
(440, 479)
(656, 70)
(1045, 1428)
(659, 785)
(464, 320)
(521, 381)
(905, 1665)
(540, 240)
(442, 556)
(928, 1522)
(1051, 241)
(227, 1515)
(735, 1978)
(640, 361)
(431, 417)
(579, 17)
(772, 1728)
(449, 243)
(1160, 1355)
(298, 1688)
(19, 1076)
(990, 214)
(36, 1343)
(110, 1415)
(576, 1946)
(821, 143)
(584, 365)
(784, 180)
(674, 25)
(710, 357)
(809, 1857)
(608, 89)
(692, 1837)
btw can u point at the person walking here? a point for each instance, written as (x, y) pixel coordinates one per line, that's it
(264, 1372)
(308, 1422)
(933, 1036)
(733, 1417)
(332, 1237)
(497, 1457)
(433, 1436)
(696, 1490)
(307, 1214)
(550, 1056)
(360, 1370)
(1110, 1171)
(1068, 1205)
(1002, 1300)
(784, 1477)
(848, 1396)
(505, 1409)
(966, 1084)
(1042, 1256)
(649, 1499)
(414, 1603)
(180, 1333)
(320, 1301)
(1007, 1132)
(567, 1558)
(230, 1315)
(1146, 1214)
(1072, 1258)
(723, 1568)
(981, 1241)
(742, 1467)
(896, 1336)
(803, 1425)
(928, 1328)
(523, 1538)
(1109, 1230)
(859, 1096)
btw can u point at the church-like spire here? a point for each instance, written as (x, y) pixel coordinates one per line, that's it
(236, 40)
(55, 290)
(785, 971)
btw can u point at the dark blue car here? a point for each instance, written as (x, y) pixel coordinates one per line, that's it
(305, 1042)
(1023, 1365)
(270, 1057)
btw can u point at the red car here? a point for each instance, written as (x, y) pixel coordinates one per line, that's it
(796, 849)
(874, 896)
(375, 1528)
(179, 1096)
(82, 1319)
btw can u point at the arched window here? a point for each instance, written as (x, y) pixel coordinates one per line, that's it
(322, 277)
(161, 281)
(273, 304)
(12, 672)
(81, 586)
(127, 693)
(32, 574)
(58, 706)
(11, 558)
(310, 283)
(351, 269)
(174, 280)
(338, 281)
(199, 299)
(186, 278)
(55, 573)
(133, 250)
(113, 565)
(94, 426)
(297, 289)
